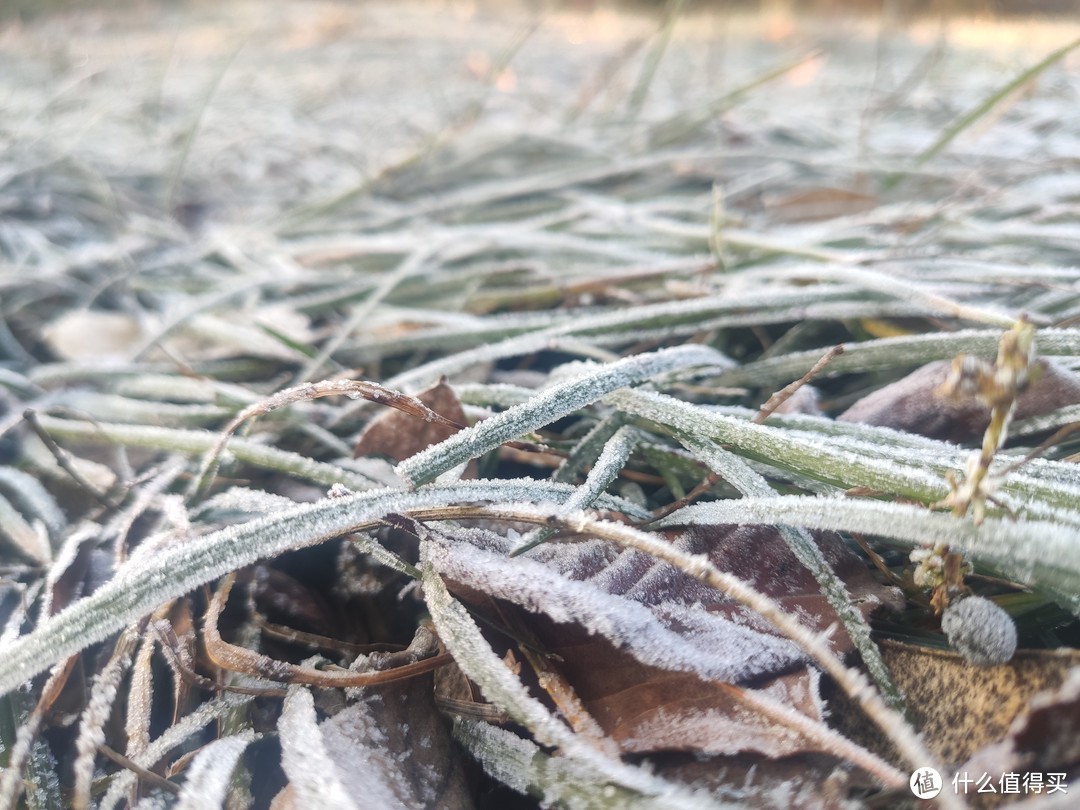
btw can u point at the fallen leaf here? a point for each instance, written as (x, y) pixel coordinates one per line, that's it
(957, 707)
(646, 708)
(1043, 739)
(653, 653)
(918, 404)
(759, 555)
(389, 748)
(93, 335)
(400, 435)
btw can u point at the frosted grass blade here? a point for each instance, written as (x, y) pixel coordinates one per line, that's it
(1040, 554)
(550, 405)
(137, 589)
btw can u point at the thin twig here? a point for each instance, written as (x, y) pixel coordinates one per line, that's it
(785, 393)
(144, 774)
(63, 458)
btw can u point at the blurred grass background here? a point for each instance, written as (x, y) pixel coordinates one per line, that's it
(32, 8)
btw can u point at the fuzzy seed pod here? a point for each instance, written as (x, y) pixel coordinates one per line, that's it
(980, 631)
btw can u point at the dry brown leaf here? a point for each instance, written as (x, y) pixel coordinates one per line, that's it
(759, 555)
(918, 404)
(1045, 740)
(399, 435)
(960, 708)
(586, 610)
(646, 709)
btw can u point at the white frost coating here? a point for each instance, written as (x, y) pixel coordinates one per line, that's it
(869, 355)
(706, 644)
(139, 587)
(632, 319)
(97, 711)
(893, 286)
(504, 755)
(370, 765)
(1039, 484)
(522, 766)
(500, 686)
(245, 499)
(1041, 489)
(199, 441)
(605, 470)
(806, 551)
(207, 780)
(1034, 552)
(848, 467)
(172, 737)
(549, 406)
(313, 776)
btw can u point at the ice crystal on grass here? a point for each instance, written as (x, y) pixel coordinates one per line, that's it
(812, 457)
(750, 483)
(606, 468)
(1038, 553)
(175, 735)
(96, 714)
(560, 781)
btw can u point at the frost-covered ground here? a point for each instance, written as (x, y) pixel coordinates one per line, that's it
(616, 235)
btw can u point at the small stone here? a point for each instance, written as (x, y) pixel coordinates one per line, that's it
(980, 631)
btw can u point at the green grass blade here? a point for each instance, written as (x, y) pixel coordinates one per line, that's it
(986, 105)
